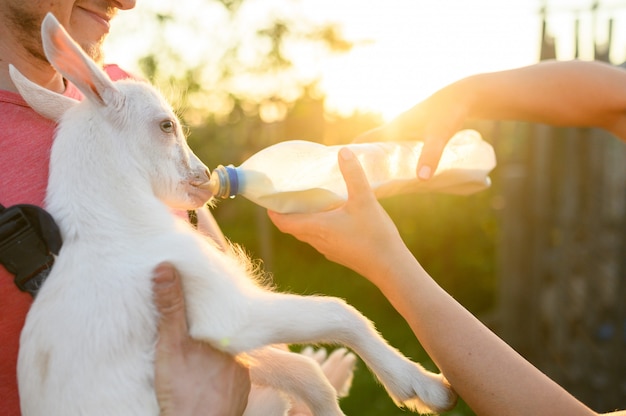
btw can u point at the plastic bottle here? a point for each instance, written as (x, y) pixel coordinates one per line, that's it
(302, 176)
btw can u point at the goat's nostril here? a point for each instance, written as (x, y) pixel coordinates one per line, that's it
(203, 175)
(203, 179)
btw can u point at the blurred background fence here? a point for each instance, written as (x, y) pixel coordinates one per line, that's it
(562, 254)
(561, 258)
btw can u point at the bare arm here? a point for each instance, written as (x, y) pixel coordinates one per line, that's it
(572, 93)
(490, 376)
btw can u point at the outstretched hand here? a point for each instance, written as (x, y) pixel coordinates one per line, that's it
(191, 377)
(433, 121)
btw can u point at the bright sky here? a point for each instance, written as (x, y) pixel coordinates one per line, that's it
(417, 46)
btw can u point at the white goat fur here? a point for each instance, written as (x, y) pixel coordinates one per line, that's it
(87, 347)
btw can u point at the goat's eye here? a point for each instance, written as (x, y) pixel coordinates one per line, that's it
(167, 126)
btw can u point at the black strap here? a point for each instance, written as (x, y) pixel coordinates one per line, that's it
(29, 239)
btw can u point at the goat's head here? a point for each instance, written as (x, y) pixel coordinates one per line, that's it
(146, 130)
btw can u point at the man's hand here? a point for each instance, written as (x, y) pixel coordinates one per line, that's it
(191, 377)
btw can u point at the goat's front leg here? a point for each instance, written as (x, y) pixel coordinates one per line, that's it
(276, 318)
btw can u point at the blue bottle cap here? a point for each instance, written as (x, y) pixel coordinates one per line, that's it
(233, 180)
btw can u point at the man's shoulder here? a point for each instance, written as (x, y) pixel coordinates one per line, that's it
(116, 73)
(12, 98)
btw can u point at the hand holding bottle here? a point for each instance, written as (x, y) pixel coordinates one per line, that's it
(344, 235)
(433, 121)
(560, 93)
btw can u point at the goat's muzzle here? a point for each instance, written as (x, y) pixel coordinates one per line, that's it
(202, 180)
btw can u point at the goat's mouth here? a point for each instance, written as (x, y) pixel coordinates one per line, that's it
(201, 180)
(200, 187)
(199, 191)
(198, 197)
(205, 185)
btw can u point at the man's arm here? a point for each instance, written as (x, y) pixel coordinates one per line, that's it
(572, 93)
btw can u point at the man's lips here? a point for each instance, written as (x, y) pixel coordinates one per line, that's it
(101, 18)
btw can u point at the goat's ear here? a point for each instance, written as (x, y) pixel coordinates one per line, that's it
(74, 64)
(47, 103)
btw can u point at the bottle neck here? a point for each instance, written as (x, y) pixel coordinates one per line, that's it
(225, 181)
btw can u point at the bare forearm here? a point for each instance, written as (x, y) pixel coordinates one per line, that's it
(490, 376)
(573, 93)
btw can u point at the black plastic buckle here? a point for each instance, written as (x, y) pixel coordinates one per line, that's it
(29, 239)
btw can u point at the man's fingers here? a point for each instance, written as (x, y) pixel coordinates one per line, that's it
(168, 297)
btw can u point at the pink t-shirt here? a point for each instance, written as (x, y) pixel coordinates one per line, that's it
(25, 142)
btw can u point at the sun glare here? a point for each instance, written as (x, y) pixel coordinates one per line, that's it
(407, 49)
(418, 47)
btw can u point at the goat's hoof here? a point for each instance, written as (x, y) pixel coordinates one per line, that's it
(437, 397)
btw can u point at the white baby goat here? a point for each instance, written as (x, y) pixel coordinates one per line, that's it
(118, 161)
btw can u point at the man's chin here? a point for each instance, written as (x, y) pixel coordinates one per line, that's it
(94, 50)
